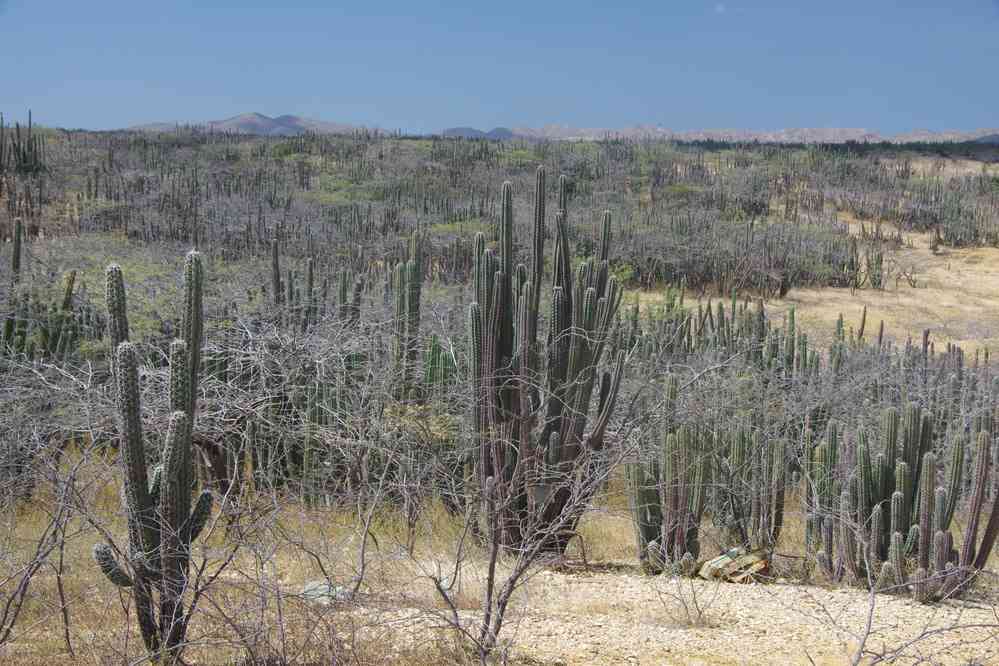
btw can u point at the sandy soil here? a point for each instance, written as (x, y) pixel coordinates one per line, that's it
(606, 618)
(956, 297)
(619, 618)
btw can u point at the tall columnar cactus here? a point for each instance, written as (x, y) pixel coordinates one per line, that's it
(667, 493)
(349, 292)
(342, 291)
(534, 448)
(278, 293)
(684, 470)
(161, 522)
(60, 330)
(975, 553)
(408, 286)
(15, 257)
(757, 469)
(820, 491)
(942, 571)
(439, 367)
(11, 321)
(646, 512)
(308, 308)
(903, 475)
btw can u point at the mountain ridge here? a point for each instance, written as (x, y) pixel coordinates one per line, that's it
(259, 124)
(292, 125)
(788, 135)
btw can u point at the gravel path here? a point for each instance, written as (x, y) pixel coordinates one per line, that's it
(629, 619)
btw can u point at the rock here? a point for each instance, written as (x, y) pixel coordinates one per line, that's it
(322, 592)
(736, 566)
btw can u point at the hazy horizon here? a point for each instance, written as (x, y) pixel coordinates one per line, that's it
(692, 66)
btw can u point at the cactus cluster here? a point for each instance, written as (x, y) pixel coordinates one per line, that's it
(36, 330)
(941, 570)
(439, 366)
(757, 486)
(302, 306)
(530, 423)
(858, 505)
(889, 509)
(668, 495)
(24, 154)
(161, 521)
(740, 475)
(407, 285)
(350, 289)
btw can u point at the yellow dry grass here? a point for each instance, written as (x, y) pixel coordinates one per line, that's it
(949, 166)
(954, 293)
(607, 614)
(604, 613)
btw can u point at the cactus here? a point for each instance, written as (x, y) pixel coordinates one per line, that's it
(646, 510)
(526, 419)
(439, 367)
(161, 523)
(309, 309)
(278, 293)
(667, 499)
(940, 572)
(896, 556)
(757, 480)
(52, 331)
(408, 284)
(974, 553)
(684, 469)
(15, 257)
(343, 286)
(349, 305)
(820, 471)
(886, 480)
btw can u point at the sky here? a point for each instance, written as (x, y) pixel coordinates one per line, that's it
(422, 66)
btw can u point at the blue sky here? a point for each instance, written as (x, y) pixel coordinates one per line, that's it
(422, 66)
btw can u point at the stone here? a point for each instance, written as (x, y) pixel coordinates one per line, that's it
(322, 592)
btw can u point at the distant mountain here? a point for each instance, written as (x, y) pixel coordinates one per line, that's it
(497, 133)
(792, 135)
(288, 125)
(258, 123)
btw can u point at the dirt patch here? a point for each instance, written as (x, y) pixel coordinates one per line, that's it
(954, 293)
(627, 618)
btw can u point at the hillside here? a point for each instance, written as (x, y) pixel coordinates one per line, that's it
(497, 133)
(261, 125)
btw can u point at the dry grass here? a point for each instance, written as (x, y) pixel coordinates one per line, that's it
(949, 167)
(956, 297)
(606, 613)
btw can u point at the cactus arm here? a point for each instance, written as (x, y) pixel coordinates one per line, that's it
(133, 459)
(199, 516)
(104, 556)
